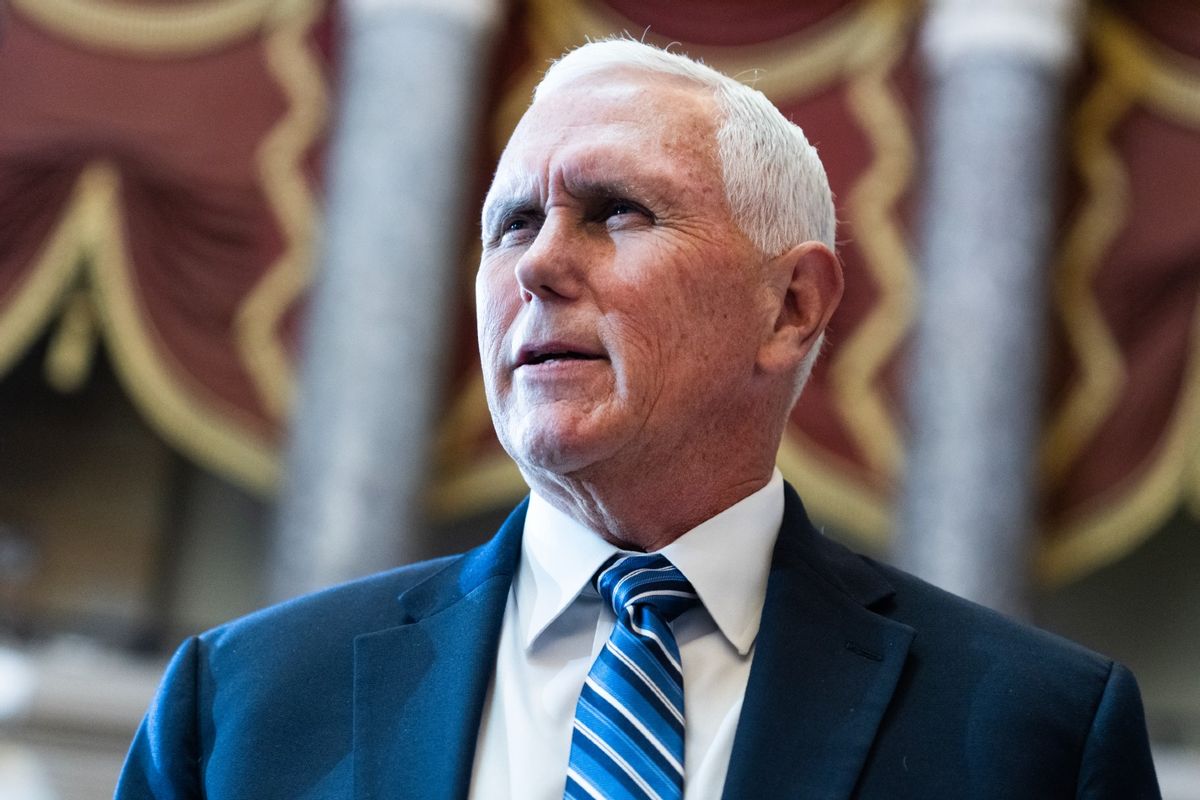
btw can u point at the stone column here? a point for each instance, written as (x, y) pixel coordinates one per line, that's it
(379, 330)
(995, 77)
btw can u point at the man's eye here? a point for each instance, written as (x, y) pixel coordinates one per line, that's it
(623, 208)
(515, 228)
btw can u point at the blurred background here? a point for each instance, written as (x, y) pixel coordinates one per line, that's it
(237, 362)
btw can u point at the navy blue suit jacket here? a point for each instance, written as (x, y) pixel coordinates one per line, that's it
(866, 683)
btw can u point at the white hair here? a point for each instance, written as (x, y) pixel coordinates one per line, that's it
(774, 181)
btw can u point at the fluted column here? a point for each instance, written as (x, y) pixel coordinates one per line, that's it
(995, 77)
(380, 329)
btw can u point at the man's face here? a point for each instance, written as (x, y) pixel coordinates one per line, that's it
(619, 306)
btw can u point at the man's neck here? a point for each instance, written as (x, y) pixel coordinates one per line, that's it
(650, 512)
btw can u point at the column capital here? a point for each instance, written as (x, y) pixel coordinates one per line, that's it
(1042, 32)
(478, 13)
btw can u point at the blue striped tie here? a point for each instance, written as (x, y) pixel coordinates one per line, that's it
(628, 735)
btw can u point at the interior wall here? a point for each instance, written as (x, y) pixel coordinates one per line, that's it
(1144, 610)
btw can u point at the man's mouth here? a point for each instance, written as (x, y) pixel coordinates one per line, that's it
(532, 356)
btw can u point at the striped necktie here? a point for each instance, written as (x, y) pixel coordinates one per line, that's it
(628, 737)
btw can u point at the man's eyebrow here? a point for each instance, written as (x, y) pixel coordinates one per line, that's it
(602, 187)
(523, 199)
(508, 194)
(496, 210)
(657, 191)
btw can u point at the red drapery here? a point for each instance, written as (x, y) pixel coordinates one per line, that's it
(157, 165)
(156, 172)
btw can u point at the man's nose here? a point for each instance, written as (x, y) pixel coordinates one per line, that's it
(551, 268)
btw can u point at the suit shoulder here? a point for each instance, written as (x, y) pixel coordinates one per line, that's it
(348, 609)
(967, 633)
(986, 706)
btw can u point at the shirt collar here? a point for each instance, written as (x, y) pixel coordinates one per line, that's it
(727, 559)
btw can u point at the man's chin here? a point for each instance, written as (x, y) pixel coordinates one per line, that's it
(546, 462)
(543, 454)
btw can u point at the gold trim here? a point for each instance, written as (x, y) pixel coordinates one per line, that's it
(44, 286)
(162, 30)
(73, 345)
(784, 68)
(796, 64)
(489, 482)
(460, 427)
(853, 510)
(1104, 536)
(279, 159)
(492, 482)
(92, 226)
(1133, 69)
(1098, 223)
(1167, 80)
(871, 205)
(210, 438)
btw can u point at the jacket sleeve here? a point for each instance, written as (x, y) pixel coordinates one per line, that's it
(1116, 761)
(164, 760)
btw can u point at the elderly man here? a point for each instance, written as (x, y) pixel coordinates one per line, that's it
(659, 619)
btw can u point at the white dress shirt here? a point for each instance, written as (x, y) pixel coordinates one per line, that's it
(555, 624)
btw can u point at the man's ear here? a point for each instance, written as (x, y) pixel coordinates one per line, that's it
(806, 287)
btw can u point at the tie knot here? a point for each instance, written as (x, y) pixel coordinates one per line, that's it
(629, 581)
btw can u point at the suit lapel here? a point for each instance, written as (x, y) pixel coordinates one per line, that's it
(824, 671)
(419, 688)
(825, 668)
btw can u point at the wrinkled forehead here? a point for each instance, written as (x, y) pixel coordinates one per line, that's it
(621, 82)
(626, 100)
(610, 118)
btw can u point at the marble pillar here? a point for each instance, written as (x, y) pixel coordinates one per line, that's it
(995, 76)
(380, 331)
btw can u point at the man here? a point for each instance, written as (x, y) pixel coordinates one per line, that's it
(656, 279)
